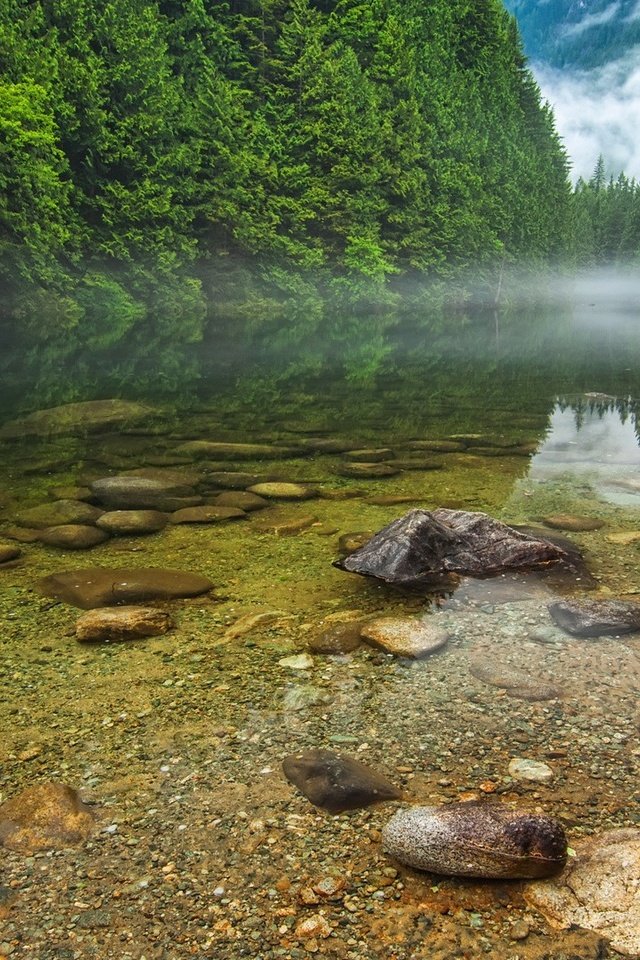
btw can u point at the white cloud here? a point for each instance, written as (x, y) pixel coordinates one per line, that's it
(597, 112)
(592, 20)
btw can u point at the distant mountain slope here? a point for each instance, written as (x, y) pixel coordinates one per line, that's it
(577, 33)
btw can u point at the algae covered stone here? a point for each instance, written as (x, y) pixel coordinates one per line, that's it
(103, 587)
(476, 840)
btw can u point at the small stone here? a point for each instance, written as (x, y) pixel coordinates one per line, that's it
(350, 542)
(520, 930)
(230, 479)
(8, 553)
(221, 450)
(337, 638)
(241, 500)
(73, 536)
(122, 623)
(206, 514)
(285, 526)
(367, 471)
(404, 636)
(283, 491)
(369, 456)
(565, 521)
(624, 538)
(438, 446)
(302, 696)
(301, 661)
(314, 926)
(48, 815)
(522, 769)
(308, 897)
(330, 888)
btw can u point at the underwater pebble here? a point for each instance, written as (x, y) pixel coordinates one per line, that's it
(522, 769)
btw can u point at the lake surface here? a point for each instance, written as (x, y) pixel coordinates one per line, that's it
(204, 848)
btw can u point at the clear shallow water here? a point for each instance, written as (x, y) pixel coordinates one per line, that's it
(180, 738)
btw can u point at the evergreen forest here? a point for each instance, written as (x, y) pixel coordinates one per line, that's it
(250, 159)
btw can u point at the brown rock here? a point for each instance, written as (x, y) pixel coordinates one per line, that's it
(126, 492)
(283, 491)
(367, 471)
(46, 816)
(404, 636)
(565, 521)
(122, 623)
(8, 553)
(103, 587)
(132, 522)
(337, 782)
(22, 534)
(73, 536)
(599, 890)
(206, 514)
(241, 500)
(58, 512)
(369, 456)
(337, 638)
(517, 684)
(596, 618)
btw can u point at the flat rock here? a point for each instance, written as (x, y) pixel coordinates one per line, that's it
(598, 890)
(122, 623)
(367, 471)
(45, 816)
(241, 500)
(423, 544)
(206, 514)
(132, 522)
(565, 521)
(336, 782)
(8, 553)
(58, 512)
(73, 536)
(103, 587)
(21, 534)
(126, 492)
(404, 636)
(350, 542)
(417, 463)
(230, 479)
(337, 638)
(376, 455)
(476, 840)
(71, 492)
(208, 449)
(326, 444)
(517, 683)
(438, 446)
(596, 618)
(283, 491)
(520, 768)
(89, 417)
(623, 537)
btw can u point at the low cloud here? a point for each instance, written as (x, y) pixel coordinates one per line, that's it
(592, 20)
(597, 112)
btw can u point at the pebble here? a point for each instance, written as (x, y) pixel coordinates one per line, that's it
(73, 536)
(404, 636)
(522, 769)
(565, 521)
(301, 661)
(122, 623)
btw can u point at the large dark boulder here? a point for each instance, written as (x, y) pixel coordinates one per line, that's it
(596, 618)
(426, 544)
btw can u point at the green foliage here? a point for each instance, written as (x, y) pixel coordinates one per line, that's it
(263, 155)
(606, 219)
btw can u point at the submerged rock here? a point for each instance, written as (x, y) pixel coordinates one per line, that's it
(599, 890)
(241, 499)
(404, 636)
(48, 815)
(207, 514)
(220, 450)
(336, 782)
(88, 417)
(132, 522)
(144, 493)
(122, 623)
(423, 544)
(476, 840)
(58, 512)
(337, 638)
(73, 536)
(102, 587)
(367, 471)
(517, 684)
(565, 521)
(596, 618)
(8, 553)
(282, 491)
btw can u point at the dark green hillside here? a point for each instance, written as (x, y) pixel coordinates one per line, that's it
(259, 154)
